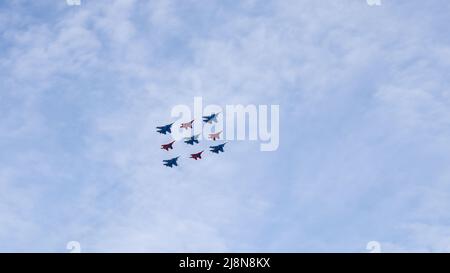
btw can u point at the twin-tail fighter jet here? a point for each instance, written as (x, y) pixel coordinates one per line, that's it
(218, 148)
(211, 118)
(165, 129)
(191, 140)
(197, 155)
(215, 136)
(168, 146)
(171, 162)
(187, 125)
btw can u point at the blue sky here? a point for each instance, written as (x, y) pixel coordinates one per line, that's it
(364, 136)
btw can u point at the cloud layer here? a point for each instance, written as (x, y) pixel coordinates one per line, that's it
(364, 149)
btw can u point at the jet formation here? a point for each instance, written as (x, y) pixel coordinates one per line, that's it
(190, 140)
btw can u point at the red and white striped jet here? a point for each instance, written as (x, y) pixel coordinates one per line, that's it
(187, 125)
(215, 136)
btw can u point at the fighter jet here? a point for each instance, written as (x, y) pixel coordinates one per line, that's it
(218, 148)
(164, 129)
(187, 125)
(215, 135)
(210, 119)
(171, 162)
(197, 155)
(167, 146)
(191, 140)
